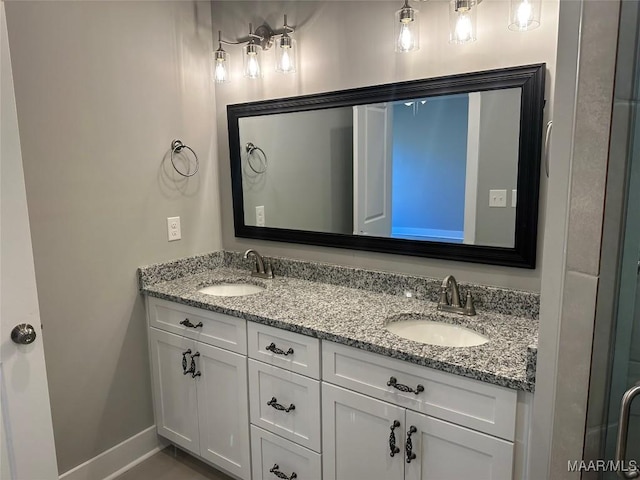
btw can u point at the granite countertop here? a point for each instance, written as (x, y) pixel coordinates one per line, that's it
(357, 317)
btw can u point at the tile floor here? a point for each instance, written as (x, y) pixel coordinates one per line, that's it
(172, 464)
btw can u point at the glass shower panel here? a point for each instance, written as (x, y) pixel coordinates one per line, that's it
(626, 347)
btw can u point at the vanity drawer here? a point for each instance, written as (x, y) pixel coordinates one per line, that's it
(467, 402)
(217, 329)
(285, 403)
(271, 454)
(292, 351)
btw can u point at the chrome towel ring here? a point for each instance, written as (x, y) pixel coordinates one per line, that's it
(176, 147)
(251, 148)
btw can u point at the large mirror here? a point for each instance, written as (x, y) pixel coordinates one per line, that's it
(445, 167)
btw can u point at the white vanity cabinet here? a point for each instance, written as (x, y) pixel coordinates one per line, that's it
(323, 410)
(449, 426)
(200, 390)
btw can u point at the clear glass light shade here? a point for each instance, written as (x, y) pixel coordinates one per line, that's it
(462, 21)
(407, 29)
(524, 15)
(220, 66)
(251, 62)
(285, 51)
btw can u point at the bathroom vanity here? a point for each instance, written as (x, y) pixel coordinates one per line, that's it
(303, 377)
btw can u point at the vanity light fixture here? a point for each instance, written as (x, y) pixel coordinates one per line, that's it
(462, 20)
(524, 15)
(256, 42)
(286, 51)
(407, 29)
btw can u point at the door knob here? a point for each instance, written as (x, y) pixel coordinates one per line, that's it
(23, 334)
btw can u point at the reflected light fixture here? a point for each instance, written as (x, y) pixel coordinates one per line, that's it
(407, 29)
(524, 15)
(220, 64)
(462, 21)
(286, 51)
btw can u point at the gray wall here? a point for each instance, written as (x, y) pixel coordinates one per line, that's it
(102, 89)
(308, 184)
(499, 134)
(338, 51)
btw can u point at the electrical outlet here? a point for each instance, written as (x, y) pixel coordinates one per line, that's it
(497, 198)
(173, 228)
(260, 216)
(514, 198)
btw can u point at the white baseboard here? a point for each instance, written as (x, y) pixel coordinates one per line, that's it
(117, 460)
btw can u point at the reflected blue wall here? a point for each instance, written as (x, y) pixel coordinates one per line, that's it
(429, 164)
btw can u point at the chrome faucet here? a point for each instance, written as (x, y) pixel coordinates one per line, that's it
(262, 270)
(450, 298)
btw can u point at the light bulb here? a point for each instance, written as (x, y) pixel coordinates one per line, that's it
(524, 15)
(220, 72)
(220, 66)
(405, 39)
(253, 68)
(462, 21)
(464, 28)
(285, 60)
(286, 55)
(407, 29)
(286, 51)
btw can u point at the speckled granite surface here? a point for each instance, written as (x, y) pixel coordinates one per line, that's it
(499, 300)
(356, 316)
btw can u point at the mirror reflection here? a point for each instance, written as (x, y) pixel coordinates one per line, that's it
(438, 168)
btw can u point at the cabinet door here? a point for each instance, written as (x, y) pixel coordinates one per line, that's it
(223, 409)
(444, 451)
(175, 399)
(356, 436)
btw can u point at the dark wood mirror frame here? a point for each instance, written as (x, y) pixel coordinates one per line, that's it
(530, 78)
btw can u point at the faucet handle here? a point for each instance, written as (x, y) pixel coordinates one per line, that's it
(443, 296)
(469, 309)
(268, 272)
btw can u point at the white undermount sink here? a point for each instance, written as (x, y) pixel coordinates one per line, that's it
(231, 289)
(435, 333)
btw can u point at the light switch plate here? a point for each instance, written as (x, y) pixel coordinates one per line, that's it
(497, 198)
(173, 229)
(514, 198)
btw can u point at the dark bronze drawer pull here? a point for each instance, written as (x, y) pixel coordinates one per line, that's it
(276, 471)
(274, 403)
(393, 382)
(188, 324)
(184, 362)
(392, 439)
(409, 446)
(272, 347)
(192, 370)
